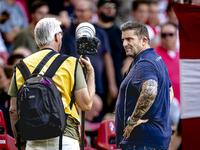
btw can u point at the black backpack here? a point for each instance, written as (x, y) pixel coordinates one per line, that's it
(39, 103)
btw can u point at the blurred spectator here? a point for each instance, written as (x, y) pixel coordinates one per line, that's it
(56, 10)
(124, 12)
(106, 11)
(14, 24)
(103, 60)
(25, 37)
(170, 55)
(18, 54)
(6, 73)
(140, 9)
(153, 19)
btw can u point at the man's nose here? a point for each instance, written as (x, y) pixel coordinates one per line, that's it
(125, 43)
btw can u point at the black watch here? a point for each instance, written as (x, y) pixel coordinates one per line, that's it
(129, 123)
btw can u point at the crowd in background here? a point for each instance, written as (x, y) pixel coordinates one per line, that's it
(19, 17)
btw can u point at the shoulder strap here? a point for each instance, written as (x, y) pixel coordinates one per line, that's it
(55, 65)
(23, 69)
(44, 61)
(72, 93)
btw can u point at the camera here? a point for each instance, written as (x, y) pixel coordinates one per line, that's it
(87, 43)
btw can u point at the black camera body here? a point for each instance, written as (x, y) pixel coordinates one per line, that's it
(87, 45)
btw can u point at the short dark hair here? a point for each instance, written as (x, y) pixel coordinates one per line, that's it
(139, 28)
(13, 57)
(136, 3)
(36, 4)
(102, 2)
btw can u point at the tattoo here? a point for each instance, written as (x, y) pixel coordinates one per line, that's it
(146, 98)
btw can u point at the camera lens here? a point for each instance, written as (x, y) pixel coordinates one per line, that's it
(85, 29)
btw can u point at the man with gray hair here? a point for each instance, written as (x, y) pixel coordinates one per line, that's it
(69, 76)
(143, 104)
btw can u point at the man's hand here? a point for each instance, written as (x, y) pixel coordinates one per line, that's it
(86, 62)
(128, 129)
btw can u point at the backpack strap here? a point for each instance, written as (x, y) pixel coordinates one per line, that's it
(55, 65)
(23, 69)
(44, 61)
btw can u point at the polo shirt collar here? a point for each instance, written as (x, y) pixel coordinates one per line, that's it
(145, 52)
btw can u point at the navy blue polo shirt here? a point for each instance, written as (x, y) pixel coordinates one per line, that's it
(157, 131)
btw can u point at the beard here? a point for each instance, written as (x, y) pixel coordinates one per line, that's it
(107, 19)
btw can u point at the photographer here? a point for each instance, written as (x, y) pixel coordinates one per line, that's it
(69, 76)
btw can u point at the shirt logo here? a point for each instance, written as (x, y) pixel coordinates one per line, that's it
(159, 58)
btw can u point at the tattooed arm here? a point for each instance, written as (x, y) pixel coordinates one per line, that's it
(145, 101)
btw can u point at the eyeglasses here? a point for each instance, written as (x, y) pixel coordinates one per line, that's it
(164, 35)
(61, 32)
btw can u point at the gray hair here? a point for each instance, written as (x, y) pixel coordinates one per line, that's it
(45, 31)
(140, 29)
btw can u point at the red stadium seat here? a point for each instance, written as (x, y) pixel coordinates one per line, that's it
(106, 136)
(6, 142)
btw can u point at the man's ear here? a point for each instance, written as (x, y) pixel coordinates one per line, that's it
(144, 41)
(56, 37)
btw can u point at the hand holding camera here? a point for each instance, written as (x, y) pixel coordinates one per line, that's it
(85, 62)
